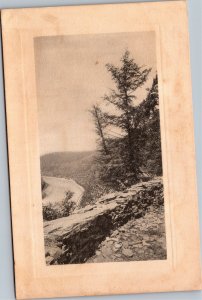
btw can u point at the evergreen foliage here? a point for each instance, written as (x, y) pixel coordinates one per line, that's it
(136, 153)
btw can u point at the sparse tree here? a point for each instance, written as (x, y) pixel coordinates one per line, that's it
(100, 124)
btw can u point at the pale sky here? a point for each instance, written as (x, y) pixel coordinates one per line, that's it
(71, 76)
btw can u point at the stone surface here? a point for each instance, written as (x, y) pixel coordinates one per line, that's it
(81, 234)
(127, 252)
(139, 245)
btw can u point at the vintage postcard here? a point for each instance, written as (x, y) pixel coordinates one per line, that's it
(99, 153)
(100, 148)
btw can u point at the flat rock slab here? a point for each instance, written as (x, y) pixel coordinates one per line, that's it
(81, 233)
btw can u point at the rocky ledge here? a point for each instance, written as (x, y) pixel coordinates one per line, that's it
(137, 240)
(76, 238)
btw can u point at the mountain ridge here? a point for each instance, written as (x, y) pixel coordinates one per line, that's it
(79, 166)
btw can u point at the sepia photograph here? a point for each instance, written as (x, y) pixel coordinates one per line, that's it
(100, 155)
(100, 147)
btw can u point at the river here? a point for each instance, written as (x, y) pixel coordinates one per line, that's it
(57, 189)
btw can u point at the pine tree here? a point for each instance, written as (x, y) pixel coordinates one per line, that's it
(127, 78)
(147, 131)
(135, 152)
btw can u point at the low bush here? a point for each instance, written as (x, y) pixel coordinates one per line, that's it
(49, 212)
(59, 210)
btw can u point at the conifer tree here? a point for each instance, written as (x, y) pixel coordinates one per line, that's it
(127, 78)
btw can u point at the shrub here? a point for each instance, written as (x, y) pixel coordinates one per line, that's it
(59, 210)
(49, 212)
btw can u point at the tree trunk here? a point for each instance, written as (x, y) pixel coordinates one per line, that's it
(99, 126)
(131, 149)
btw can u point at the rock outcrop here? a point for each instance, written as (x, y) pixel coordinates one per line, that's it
(137, 240)
(75, 239)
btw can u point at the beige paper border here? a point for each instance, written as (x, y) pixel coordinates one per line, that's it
(181, 271)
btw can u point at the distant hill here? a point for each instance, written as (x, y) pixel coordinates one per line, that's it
(80, 166)
(67, 164)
